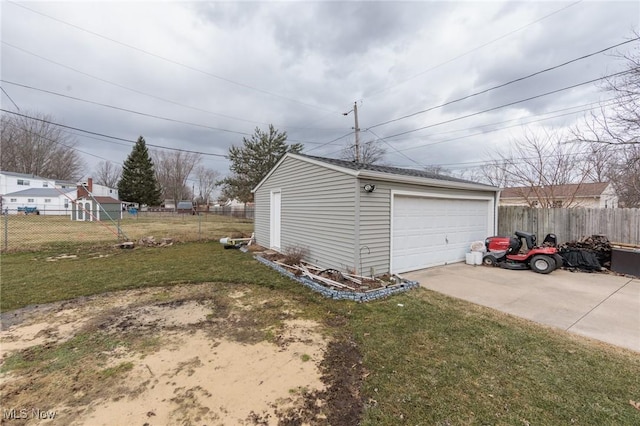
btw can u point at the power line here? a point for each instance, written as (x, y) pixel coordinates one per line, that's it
(607, 102)
(139, 112)
(516, 119)
(126, 87)
(142, 113)
(146, 52)
(521, 123)
(474, 164)
(109, 136)
(138, 91)
(474, 49)
(508, 121)
(505, 84)
(123, 109)
(482, 163)
(506, 105)
(484, 111)
(14, 104)
(330, 142)
(395, 149)
(498, 129)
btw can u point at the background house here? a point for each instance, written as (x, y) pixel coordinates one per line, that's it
(48, 196)
(89, 187)
(372, 219)
(587, 195)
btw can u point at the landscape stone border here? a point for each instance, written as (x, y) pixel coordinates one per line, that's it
(406, 285)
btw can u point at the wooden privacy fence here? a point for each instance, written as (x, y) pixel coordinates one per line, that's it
(619, 225)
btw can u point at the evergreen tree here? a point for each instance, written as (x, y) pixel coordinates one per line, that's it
(138, 183)
(251, 162)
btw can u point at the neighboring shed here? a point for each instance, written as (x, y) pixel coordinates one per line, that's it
(369, 218)
(185, 207)
(96, 208)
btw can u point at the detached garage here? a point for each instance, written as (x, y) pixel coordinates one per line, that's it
(369, 218)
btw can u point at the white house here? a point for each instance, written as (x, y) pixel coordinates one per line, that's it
(48, 196)
(596, 195)
(47, 201)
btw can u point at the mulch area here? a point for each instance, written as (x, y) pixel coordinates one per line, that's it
(330, 278)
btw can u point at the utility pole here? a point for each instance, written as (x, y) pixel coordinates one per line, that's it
(357, 129)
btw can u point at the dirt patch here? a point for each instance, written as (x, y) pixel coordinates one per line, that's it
(194, 354)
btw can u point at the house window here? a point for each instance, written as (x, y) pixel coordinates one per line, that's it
(45, 184)
(13, 200)
(30, 200)
(47, 200)
(23, 182)
(66, 204)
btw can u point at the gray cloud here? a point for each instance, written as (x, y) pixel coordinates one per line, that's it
(299, 65)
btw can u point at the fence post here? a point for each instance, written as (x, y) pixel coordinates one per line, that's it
(199, 226)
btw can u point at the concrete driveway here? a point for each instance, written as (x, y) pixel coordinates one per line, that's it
(601, 306)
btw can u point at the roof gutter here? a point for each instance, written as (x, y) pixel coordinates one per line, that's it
(369, 174)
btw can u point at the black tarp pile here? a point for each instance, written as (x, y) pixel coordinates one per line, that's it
(587, 254)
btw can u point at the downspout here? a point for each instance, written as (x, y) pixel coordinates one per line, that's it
(496, 201)
(356, 228)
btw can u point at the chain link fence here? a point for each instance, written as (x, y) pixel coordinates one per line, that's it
(22, 230)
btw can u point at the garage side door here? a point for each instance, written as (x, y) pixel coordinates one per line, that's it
(435, 231)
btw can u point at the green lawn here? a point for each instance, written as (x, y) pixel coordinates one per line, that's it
(429, 359)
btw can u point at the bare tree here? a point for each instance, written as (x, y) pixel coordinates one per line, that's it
(493, 173)
(598, 161)
(31, 144)
(371, 152)
(540, 165)
(618, 121)
(617, 124)
(207, 183)
(108, 174)
(624, 174)
(173, 169)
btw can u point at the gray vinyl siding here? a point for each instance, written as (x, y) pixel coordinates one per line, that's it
(375, 220)
(317, 212)
(109, 211)
(262, 199)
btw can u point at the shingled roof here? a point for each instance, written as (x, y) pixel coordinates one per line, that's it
(352, 165)
(41, 192)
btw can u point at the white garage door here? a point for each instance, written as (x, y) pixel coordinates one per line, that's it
(435, 231)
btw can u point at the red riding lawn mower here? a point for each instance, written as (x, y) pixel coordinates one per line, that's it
(506, 253)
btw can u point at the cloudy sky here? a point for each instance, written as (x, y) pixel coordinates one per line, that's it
(201, 75)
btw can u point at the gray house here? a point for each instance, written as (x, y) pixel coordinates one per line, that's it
(369, 218)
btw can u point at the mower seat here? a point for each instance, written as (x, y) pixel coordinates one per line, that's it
(550, 240)
(528, 237)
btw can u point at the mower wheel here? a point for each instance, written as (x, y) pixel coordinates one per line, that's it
(542, 264)
(559, 261)
(489, 260)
